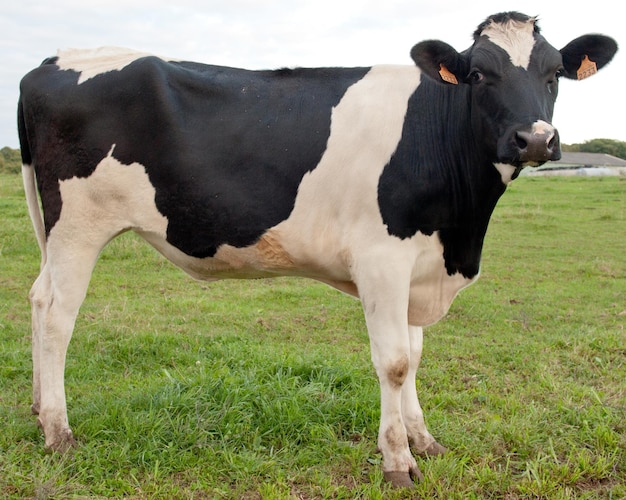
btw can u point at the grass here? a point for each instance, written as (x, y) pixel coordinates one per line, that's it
(264, 389)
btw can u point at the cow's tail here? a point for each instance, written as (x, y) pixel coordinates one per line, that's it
(30, 185)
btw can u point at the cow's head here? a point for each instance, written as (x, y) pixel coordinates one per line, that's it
(513, 74)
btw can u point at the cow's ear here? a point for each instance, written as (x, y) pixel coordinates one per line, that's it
(585, 55)
(439, 61)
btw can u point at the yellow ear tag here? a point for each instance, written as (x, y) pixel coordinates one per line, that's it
(587, 68)
(446, 75)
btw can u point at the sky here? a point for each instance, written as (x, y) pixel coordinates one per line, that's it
(265, 34)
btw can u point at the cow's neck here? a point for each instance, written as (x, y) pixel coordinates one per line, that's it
(439, 179)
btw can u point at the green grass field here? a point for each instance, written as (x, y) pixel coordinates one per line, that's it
(264, 389)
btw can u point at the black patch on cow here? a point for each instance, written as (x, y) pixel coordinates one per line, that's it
(440, 178)
(224, 148)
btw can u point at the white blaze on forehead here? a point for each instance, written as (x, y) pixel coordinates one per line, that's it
(515, 37)
(92, 62)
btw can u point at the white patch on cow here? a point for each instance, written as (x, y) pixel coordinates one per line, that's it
(515, 37)
(118, 197)
(336, 207)
(114, 198)
(543, 128)
(93, 62)
(337, 202)
(506, 171)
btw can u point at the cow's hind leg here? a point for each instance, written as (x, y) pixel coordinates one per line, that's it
(419, 438)
(37, 291)
(55, 298)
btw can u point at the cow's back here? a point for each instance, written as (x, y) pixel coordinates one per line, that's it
(225, 149)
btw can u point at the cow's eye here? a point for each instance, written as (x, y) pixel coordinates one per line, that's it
(476, 77)
(557, 74)
(553, 82)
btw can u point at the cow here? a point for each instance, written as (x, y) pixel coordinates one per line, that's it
(379, 181)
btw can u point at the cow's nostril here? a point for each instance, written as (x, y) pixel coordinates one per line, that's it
(521, 139)
(554, 141)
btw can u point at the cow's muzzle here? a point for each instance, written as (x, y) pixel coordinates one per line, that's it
(531, 146)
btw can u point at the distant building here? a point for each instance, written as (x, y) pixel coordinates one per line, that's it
(589, 164)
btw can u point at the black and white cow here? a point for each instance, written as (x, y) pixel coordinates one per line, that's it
(379, 181)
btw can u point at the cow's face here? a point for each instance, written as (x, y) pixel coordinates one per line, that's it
(512, 74)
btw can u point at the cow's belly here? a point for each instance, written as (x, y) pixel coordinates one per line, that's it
(431, 293)
(264, 259)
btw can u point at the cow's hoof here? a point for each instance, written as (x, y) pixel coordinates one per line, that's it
(400, 479)
(433, 450)
(62, 441)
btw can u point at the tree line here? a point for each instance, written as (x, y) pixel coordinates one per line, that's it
(10, 159)
(605, 146)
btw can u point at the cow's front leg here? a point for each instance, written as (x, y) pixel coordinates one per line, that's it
(420, 439)
(385, 306)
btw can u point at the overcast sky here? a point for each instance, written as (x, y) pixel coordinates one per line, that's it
(259, 34)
